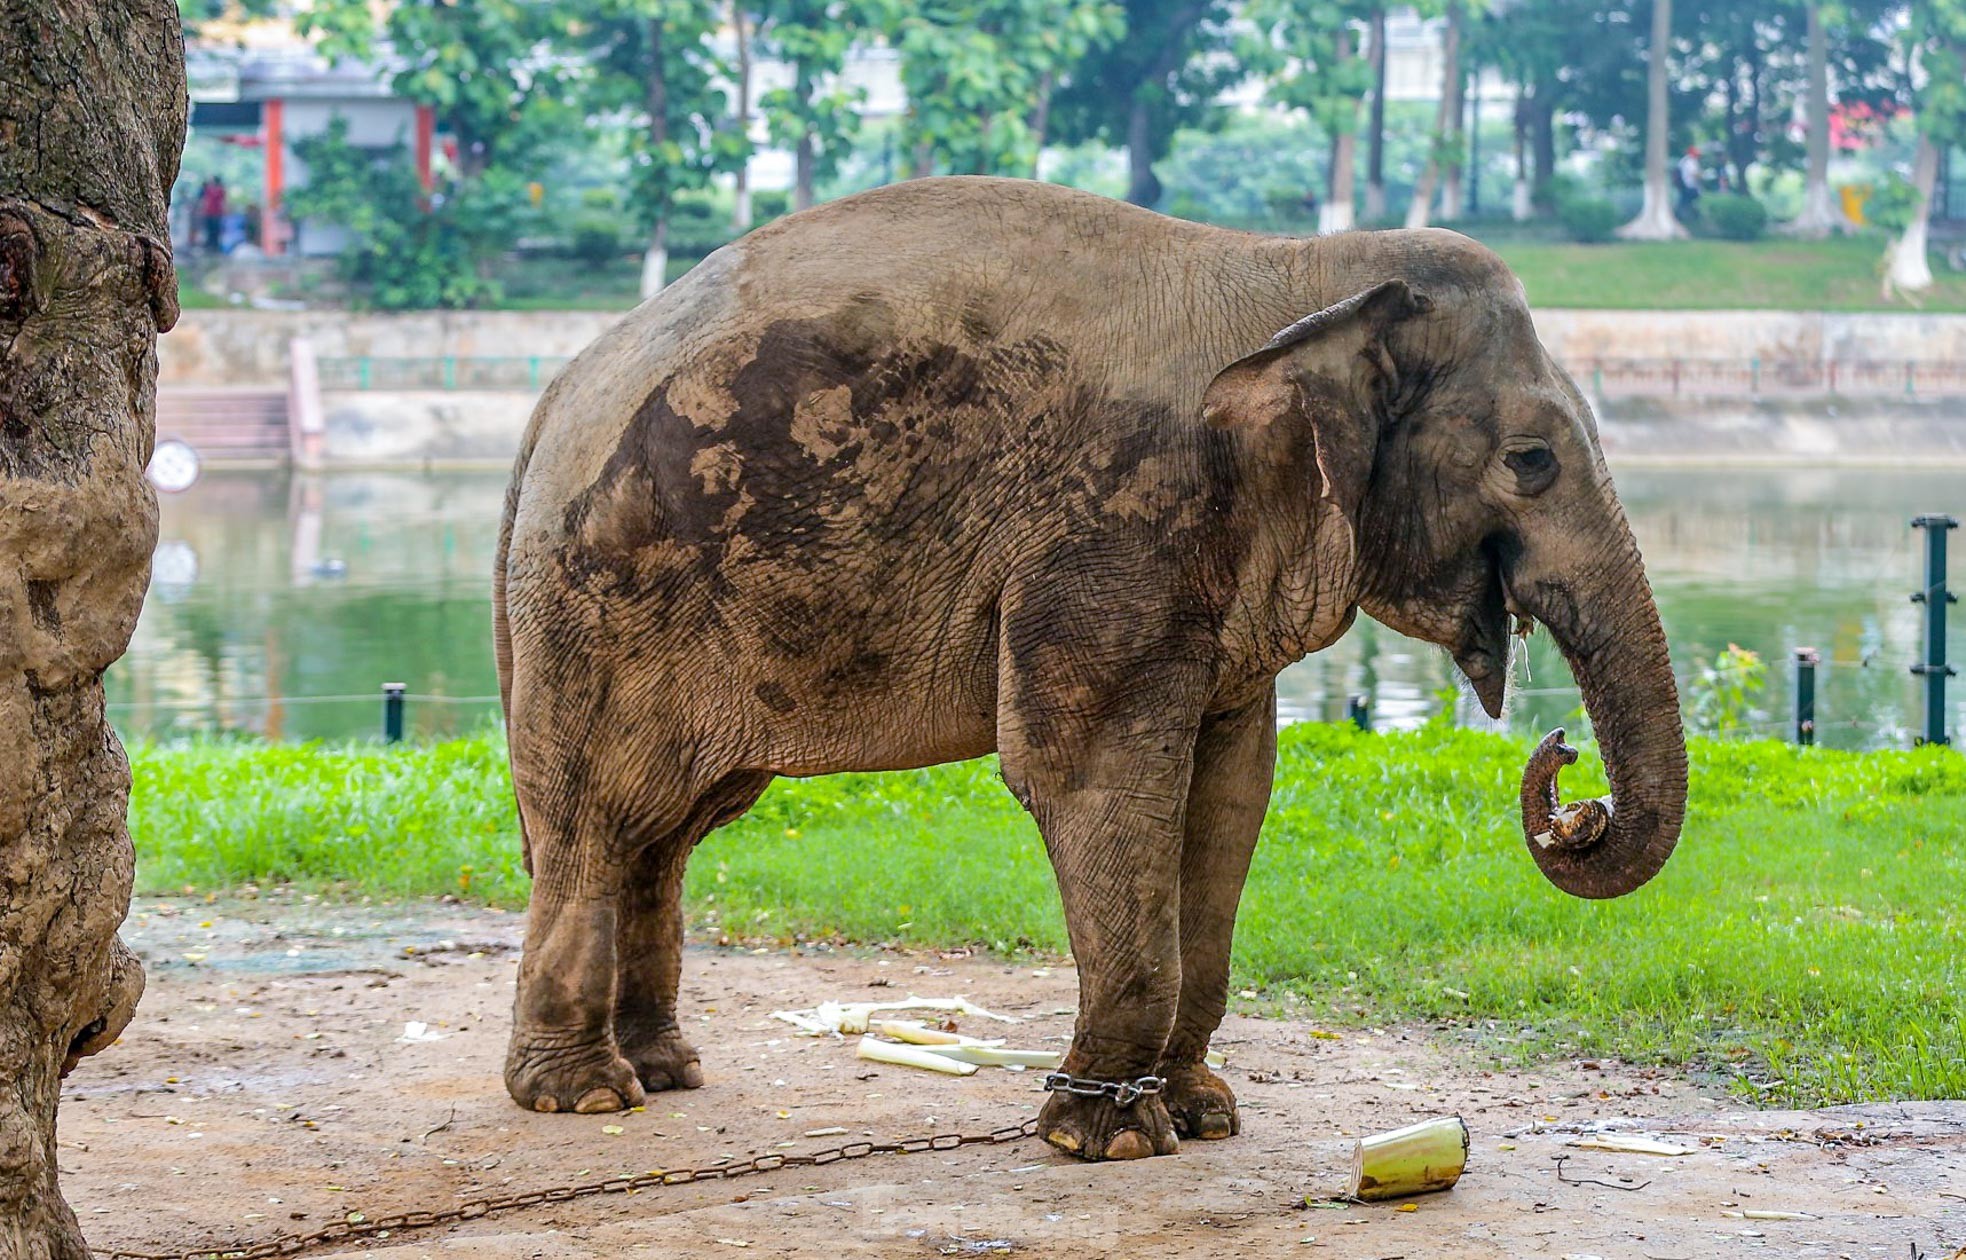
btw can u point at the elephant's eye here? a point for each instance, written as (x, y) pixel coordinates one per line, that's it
(1534, 467)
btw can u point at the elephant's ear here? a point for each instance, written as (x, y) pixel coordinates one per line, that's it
(1321, 383)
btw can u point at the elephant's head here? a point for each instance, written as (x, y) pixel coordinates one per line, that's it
(1466, 464)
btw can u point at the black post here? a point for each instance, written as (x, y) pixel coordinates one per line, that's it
(1359, 705)
(1806, 660)
(392, 712)
(1935, 597)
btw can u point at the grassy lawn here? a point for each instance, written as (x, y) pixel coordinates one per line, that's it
(1808, 936)
(1833, 275)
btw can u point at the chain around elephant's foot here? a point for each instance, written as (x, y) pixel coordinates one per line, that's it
(661, 1059)
(1200, 1102)
(1100, 1128)
(548, 1073)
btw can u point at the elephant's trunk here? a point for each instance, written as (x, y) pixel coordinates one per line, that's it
(1609, 847)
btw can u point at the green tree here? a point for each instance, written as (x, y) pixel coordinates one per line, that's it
(815, 116)
(650, 61)
(1445, 150)
(979, 75)
(1935, 36)
(1137, 91)
(484, 68)
(408, 250)
(1308, 52)
(1656, 221)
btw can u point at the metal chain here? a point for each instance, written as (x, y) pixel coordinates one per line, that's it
(1123, 1093)
(356, 1225)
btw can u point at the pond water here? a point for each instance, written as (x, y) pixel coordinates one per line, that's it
(280, 605)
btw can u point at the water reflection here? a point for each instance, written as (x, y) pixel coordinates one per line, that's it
(280, 605)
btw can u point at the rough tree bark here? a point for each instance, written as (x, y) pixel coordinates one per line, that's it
(1655, 221)
(92, 113)
(1819, 215)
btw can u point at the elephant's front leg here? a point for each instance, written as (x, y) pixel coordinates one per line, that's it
(1108, 797)
(1235, 760)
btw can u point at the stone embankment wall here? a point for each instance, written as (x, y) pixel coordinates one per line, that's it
(250, 349)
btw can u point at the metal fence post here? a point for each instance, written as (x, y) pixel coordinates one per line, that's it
(1359, 706)
(392, 712)
(1806, 660)
(1754, 375)
(1935, 597)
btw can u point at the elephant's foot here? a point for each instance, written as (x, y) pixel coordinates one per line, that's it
(1200, 1102)
(543, 1073)
(662, 1060)
(1099, 1128)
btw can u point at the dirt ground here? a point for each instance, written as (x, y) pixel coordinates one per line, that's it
(267, 1086)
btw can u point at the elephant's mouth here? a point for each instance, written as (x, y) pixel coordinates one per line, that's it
(1482, 656)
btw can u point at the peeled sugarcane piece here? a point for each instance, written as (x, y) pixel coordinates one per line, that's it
(1418, 1159)
(999, 1056)
(855, 1017)
(911, 1056)
(1623, 1145)
(916, 1033)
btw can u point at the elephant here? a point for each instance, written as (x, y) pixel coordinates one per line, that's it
(969, 465)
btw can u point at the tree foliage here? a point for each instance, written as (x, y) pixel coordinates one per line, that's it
(408, 250)
(975, 70)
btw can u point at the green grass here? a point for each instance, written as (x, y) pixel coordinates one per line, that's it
(1833, 275)
(1808, 933)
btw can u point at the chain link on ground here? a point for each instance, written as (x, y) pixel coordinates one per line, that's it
(358, 1226)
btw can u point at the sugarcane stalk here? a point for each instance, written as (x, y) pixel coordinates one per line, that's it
(1418, 1159)
(911, 1056)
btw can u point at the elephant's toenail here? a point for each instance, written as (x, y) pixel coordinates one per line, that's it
(1131, 1144)
(1063, 1141)
(546, 1103)
(598, 1100)
(691, 1076)
(1214, 1127)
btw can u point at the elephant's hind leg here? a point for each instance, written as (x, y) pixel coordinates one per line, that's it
(591, 794)
(649, 940)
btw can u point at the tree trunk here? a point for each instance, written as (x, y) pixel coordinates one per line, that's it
(1375, 130)
(1819, 215)
(1907, 270)
(740, 215)
(1542, 147)
(655, 259)
(1143, 187)
(1335, 215)
(1521, 206)
(1420, 208)
(1452, 198)
(1041, 120)
(1655, 221)
(95, 113)
(803, 157)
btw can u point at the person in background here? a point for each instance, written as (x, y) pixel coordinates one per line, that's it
(1689, 180)
(211, 213)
